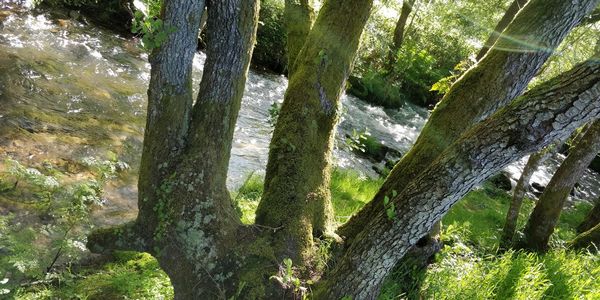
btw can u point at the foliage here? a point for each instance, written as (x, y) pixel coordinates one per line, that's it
(468, 267)
(46, 230)
(129, 275)
(270, 49)
(274, 113)
(152, 30)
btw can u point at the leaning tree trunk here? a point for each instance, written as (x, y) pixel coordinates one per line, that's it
(512, 216)
(547, 113)
(501, 76)
(545, 215)
(296, 192)
(508, 16)
(592, 218)
(186, 218)
(589, 239)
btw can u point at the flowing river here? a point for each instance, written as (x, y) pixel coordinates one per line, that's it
(71, 92)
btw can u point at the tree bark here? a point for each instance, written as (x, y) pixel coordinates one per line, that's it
(186, 218)
(512, 216)
(588, 240)
(547, 113)
(545, 215)
(299, 17)
(592, 218)
(508, 16)
(296, 191)
(501, 76)
(407, 7)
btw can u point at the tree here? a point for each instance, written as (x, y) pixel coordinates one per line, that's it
(543, 115)
(407, 6)
(299, 17)
(186, 217)
(589, 239)
(508, 16)
(512, 215)
(496, 80)
(592, 218)
(545, 215)
(296, 193)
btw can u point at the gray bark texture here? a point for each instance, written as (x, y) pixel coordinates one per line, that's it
(547, 113)
(186, 218)
(545, 215)
(501, 76)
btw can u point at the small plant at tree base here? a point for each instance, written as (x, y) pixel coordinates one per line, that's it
(288, 280)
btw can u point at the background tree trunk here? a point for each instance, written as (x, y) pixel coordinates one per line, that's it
(592, 218)
(545, 215)
(512, 216)
(499, 78)
(589, 239)
(508, 16)
(547, 113)
(299, 17)
(296, 191)
(407, 6)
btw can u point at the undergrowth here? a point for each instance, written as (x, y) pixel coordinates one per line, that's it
(470, 266)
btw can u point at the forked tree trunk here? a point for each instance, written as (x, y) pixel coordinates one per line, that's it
(547, 113)
(592, 218)
(500, 77)
(512, 216)
(508, 16)
(186, 218)
(296, 192)
(545, 215)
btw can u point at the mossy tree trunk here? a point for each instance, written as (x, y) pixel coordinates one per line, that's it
(186, 218)
(592, 218)
(589, 239)
(508, 16)
(296, 192)
(545, 215)
(512, 216)
(500, 77)
(547, 113)
(299, 17)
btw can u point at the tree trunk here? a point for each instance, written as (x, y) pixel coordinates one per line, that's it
(500, 77)
(508, 16)
(186, 218)
(592, 218)
(510, 226)
(296, 192)
(589, 239)
(545, 215)
(547, 113)
(407, 7)
(299, 17)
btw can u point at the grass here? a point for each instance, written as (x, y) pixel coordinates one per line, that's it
(468, 267)
(129, 276)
